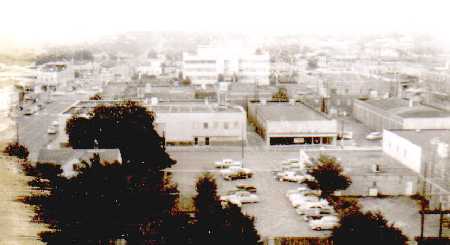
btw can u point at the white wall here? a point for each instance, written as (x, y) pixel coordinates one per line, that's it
(427, 123)
(186, 126)
(402, 150)
(301, 127)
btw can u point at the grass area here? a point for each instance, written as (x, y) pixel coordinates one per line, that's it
(15, 217)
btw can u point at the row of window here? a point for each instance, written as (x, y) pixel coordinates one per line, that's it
(219, 125)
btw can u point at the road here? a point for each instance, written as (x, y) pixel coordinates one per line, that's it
(33, 128)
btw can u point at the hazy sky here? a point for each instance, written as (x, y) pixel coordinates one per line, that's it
(62, 20)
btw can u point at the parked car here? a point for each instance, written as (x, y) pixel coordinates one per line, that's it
(312, 208)
(296, 177)
(55, 123)
(52, 129)
(304, 191)
(299, 201)
(319, 214)
(346, 135)
(374, 136)
(226, 163)
(246, 187)
(235, 172)
(30, 110)
(325, 223)
(242, 197)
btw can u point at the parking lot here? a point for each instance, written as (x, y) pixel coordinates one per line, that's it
(274, 214)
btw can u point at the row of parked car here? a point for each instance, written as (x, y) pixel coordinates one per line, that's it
(319, 214)
(232, 170)
(243, 193)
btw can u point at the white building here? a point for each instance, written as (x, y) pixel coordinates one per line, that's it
(53, 76)
(150, 67)
(180, 123)
(426, 153)
(292, 123)
(211, 64)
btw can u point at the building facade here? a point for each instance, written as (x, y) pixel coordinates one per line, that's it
(212, 64)
(397, 113)
(282, 123)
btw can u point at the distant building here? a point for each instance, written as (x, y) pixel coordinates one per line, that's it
(53, 76)
(180, 122)
(213, 64)
(394, 113)
(150, 67)
(426, 153)
(281, 123)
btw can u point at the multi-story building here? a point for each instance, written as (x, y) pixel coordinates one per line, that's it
(52, 76)
(211, 64)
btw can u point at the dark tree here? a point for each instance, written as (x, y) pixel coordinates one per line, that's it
(17, 150)
(103, 203)
(220, 224)
(367, 228)
(281, 95)
(96, 97)
(329, 176)
(127, 126)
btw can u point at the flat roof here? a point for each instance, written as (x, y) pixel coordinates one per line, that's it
(288, 112)
(423, 137)
(86, 106)
(401, 108)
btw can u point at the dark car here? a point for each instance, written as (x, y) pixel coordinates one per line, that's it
(246, 187)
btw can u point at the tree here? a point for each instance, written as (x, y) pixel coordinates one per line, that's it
(127, 126)
(281, 95)
(220, 224)
(96, 97)
(104, 202)
(17, 150)
(328, 175)
(367, 228)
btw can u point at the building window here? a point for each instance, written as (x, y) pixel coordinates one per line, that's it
(205, 125)
(216, 125)
(225, 125)
(236, 124)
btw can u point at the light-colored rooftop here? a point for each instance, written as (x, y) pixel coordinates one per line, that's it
(401, 108)
(287, 112)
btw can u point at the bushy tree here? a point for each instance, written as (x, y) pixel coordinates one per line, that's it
(220, 224)
(17, 150)
(281, 95)
(127, 126)
(328, 175)
(367, 228)
(96, 97)
(103, 202)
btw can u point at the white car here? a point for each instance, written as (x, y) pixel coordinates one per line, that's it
(52, 129)
(300, 201)
(325, 223)
(374, 136)
(55, 123)
(235, 172)
(241, 197)
(304, 191)
(311, 208)
(226, 163)
(318, 214)
(295, 177)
